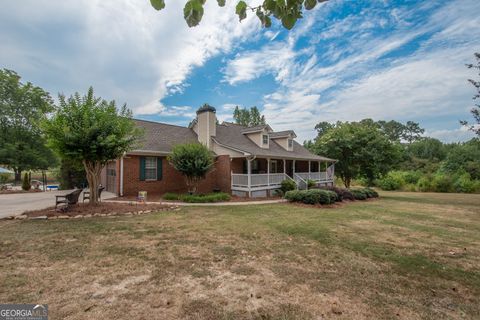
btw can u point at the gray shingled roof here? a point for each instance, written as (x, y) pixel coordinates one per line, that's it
(229, 134)
(255, 128)
(282, 133)
(161, 137)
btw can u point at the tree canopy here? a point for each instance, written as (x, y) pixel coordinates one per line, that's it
(248, 117)
(287, 12)
(23, 106)
(475, 111)
(193, 160)
(92, 131)
(362, 149)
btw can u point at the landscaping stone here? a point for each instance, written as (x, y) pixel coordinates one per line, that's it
(39, 218)
(78, 216)
(63, 217)
(21, 217)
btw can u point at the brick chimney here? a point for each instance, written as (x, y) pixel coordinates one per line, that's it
(206, 124)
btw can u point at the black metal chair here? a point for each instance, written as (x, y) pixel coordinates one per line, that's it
(68, 199)
(86, 194)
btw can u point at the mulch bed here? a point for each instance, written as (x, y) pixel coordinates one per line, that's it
(158, 198)
(102, 209)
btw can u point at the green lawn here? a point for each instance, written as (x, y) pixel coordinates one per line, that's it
(404, 256)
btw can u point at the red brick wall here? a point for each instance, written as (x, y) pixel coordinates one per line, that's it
(173, 181)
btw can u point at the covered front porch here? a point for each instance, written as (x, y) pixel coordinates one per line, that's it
(257, 176)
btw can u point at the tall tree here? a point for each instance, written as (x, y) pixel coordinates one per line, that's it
(361, 148)
(393, 129)
(23, 106)
(90, 130)
(475, 111)
(412, 132)
(248, 117)
(288, 12)
(323, 127)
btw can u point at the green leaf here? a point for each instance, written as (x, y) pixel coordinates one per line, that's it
(264, 19)
(193, 12)
(288, 21)
(221, 3)
(158, 4)
(310, 4)
(269, 5)
(241, 10)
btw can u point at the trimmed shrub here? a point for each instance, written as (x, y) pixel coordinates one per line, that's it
(313, 196)
(370, 193)
(288, 185)
(294, 196)
(311, 183)
(171, 196)
(26, 182)
(347, 195)
(411, 177)
(201, 198)
(359, 194)
(211, 197)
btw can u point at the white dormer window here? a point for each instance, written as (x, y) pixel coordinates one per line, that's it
(265, 139)
(290, 144)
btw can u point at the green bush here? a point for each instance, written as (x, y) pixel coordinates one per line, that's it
(424, 184)
(394, 180)
(4, 178)
(211, 197)
(411, 177)
(288, 185)
(370, 193)
(201, 198)
(171, 196)
(442, 183)
(313, 196)
(464, 184)
(26, 182)
(410, 187)
(359, 194)
(294, 196)
(311, 183)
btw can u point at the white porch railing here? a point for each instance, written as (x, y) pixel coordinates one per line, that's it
(258, 180)
(316, 176)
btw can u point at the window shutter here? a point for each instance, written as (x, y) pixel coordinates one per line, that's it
(159, 168)
(142, 168)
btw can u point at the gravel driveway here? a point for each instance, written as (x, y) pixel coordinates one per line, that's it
(17, 203)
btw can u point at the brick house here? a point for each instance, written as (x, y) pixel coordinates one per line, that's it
(249, 161)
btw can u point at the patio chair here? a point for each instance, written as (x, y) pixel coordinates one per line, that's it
(68, 199)
(86, 194)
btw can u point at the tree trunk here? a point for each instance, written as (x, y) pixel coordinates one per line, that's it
(93, 171)
(18, 175)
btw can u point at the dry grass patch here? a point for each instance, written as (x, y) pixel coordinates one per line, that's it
(390, 258)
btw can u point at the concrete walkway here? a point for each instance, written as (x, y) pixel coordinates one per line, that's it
(210, 204)
(17, 203)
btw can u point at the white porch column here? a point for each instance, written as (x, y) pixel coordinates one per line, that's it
(268, 171)
(249, 172)
(309, 169)
(294, 161)
(284, 166)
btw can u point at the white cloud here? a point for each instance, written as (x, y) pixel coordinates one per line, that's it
(351, 82)
(125, 49)
(454, 135)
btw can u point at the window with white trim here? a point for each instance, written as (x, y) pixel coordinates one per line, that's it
(290, 144)
(265, 139)
(150, 168)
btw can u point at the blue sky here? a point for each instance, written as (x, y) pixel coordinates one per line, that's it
(345, 60)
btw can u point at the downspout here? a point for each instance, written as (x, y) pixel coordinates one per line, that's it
(121, 175)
